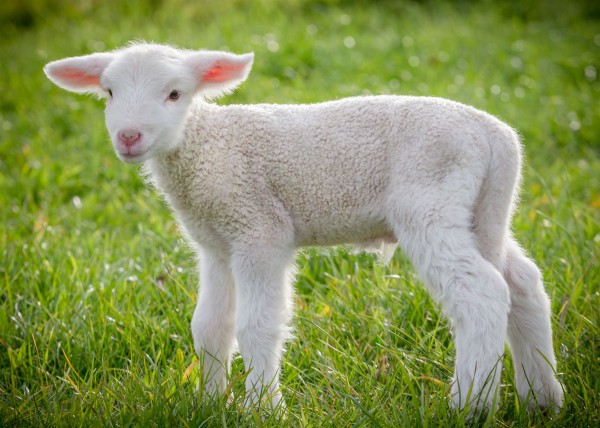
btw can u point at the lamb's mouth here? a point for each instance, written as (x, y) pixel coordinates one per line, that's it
(132, 157)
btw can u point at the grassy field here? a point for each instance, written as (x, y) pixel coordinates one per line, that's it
(97, 289)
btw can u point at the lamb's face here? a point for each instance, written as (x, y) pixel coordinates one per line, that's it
(149, 89)
(148, 97)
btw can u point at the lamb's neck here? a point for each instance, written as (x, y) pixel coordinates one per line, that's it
(163, 169)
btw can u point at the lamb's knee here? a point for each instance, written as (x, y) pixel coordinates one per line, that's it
(260, 342)
(200, 332)
(212, 333)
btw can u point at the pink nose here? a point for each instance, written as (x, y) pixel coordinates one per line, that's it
(129, 137)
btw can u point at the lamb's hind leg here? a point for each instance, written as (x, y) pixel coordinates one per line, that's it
(530, 332)
(472, 292)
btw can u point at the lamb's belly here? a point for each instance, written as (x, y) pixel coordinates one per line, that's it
(343, 231)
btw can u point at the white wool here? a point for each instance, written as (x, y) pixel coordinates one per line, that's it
(251, 183)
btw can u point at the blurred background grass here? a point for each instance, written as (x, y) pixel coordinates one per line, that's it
(97, 290)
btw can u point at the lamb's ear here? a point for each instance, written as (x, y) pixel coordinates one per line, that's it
(79, 74)
(219, 73)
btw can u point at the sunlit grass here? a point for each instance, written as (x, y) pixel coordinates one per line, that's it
(97, 289)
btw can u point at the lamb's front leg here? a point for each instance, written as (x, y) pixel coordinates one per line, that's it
(213, 320)
(263, 276)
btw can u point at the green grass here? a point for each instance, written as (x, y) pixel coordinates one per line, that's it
(97, 289)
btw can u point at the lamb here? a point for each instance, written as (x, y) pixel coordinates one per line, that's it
(249, 184)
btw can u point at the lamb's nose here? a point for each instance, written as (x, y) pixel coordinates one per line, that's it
(129, 137)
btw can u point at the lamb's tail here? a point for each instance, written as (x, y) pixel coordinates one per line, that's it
(498, 196)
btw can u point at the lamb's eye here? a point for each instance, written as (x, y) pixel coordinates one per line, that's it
(109, 92)
(174, 95)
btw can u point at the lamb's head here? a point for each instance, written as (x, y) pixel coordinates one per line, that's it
(149, 89)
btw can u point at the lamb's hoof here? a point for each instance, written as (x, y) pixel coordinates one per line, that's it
(549, 402)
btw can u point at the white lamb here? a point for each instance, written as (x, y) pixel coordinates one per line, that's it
(251, 183)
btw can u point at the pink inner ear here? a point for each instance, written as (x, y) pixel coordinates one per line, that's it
(77, 77)
(222, 72)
